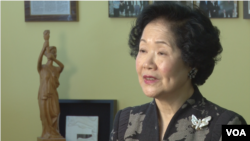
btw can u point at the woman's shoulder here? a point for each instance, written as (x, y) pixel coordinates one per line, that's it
(139, 109)
(202, 107)
(221, 116)
(122, 119)
(123, 115)
(224, 116)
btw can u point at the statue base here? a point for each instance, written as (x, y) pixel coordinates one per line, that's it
(54, 139)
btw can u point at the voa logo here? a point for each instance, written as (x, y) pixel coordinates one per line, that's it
(236, 132)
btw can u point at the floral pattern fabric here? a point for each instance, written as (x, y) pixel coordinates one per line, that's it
(140, 123)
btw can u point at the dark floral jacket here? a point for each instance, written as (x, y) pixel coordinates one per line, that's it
(140, 123)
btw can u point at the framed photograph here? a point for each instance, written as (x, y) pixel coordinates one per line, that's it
(78, 109)
(126, 8)
(81, 128)
(246, 9)
(219, 9)
(50, 11)
(187, 3)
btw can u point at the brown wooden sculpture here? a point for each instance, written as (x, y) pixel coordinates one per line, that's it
(47, 95)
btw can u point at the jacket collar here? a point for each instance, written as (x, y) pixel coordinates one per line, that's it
(151, 119)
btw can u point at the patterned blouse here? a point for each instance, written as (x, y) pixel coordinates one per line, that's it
(140, 123)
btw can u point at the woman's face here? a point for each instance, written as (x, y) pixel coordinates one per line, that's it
(159, 65)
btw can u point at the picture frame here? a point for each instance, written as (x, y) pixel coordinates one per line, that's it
(187, 3)
(246, 9)
(104, 109)
(122, 9)
(219, 9)
(51, 11)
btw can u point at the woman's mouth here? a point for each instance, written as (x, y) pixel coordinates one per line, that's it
(149, 79)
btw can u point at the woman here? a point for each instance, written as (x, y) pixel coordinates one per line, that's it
(47, 95)
(213, 8)
(116, 5)
(228, 8)
(176, 48)
(137, 7)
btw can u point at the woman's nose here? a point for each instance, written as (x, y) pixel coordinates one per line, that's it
(149, 62)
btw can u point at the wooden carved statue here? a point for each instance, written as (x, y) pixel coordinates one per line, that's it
(47, 95)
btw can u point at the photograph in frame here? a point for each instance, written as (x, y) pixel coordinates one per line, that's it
(246, 9)
(81, 128)
(126, 8)
(219, 9)
(50, 11)
(104, 109)
(186, 3)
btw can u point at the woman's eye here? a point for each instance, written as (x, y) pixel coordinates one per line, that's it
(161, 53)
(142, 51)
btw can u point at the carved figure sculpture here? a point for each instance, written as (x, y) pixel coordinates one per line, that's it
(47, 95)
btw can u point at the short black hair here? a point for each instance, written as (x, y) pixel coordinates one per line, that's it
(193, 32)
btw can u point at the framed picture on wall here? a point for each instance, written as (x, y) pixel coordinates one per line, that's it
(81, 128)
(187, 3)
(51, 11)
(246, 9)
(219, 9)
(126, 8)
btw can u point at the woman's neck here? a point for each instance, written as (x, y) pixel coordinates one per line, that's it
(169, 104)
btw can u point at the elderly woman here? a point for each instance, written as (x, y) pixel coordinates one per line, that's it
(176, 49)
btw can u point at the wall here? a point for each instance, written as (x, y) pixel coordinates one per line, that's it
(98, 66)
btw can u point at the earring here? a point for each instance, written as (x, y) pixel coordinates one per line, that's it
(192, 73)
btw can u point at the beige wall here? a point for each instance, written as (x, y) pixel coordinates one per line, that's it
(98, 66)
